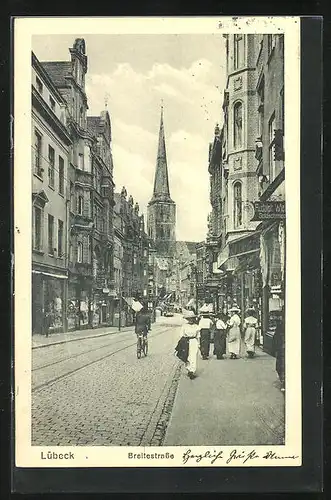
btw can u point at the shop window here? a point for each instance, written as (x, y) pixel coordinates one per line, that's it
(40, 86)
(282, 115)
(238, 124)
(51, 166)
(237, 209)
(38, 170)
(50, 234)
(61, 175)
(60, 239)
(79, 252)
(52, 103)
(38, 215)
(238, 54)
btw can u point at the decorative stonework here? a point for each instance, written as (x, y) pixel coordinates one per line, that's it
(238, 83)
(237, 164)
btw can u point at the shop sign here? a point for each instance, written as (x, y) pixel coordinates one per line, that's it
(268, 210)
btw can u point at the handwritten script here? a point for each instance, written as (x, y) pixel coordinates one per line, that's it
(234, 456)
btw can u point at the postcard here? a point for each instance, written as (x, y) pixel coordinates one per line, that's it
(157, 242)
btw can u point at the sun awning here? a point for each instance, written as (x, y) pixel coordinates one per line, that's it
(60, 276)
(190, 303)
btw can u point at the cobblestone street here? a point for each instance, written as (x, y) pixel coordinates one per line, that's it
(96, 392)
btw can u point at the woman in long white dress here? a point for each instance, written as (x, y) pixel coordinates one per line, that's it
(234, 336)
(250, 326)
(191, 331)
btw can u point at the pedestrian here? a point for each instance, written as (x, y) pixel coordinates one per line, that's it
(250, 327)
(234, 332)
(220, 336)
(48, 321)
(205, 325)
(188, 345)
(279, 342)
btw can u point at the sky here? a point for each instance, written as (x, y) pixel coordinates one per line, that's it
(134, 73)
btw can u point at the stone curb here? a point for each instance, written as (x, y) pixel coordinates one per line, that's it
(80, 338)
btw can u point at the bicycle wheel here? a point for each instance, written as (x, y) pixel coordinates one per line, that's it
(139, 348)
(145, 347)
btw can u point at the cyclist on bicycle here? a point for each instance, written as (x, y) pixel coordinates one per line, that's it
(143, 321)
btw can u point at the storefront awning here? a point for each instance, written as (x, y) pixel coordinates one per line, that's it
(59, 276)
(191, 303)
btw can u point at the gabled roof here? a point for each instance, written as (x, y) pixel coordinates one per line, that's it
(57, 71)
(93, 124)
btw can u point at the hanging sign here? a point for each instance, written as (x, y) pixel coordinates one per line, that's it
(268, 210)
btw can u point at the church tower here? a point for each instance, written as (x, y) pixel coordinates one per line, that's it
(161, 210)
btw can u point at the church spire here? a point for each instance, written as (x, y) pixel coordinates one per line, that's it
(161, 181)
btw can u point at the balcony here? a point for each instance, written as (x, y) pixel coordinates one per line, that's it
(83, 178)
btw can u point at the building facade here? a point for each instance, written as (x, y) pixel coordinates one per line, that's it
(131, 264)
(51, 154)
(270, 169)
(85, 175)
(245, 245)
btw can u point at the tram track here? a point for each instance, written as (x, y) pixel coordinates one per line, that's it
(68, 358)
(53, 380)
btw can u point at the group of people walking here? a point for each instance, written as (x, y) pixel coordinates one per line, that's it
(197, 331)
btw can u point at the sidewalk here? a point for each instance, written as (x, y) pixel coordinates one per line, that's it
(231, 402)
(61, 338)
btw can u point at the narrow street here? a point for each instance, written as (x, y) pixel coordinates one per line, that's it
(95, 391)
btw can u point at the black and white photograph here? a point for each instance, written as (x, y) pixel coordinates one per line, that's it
(158, 261)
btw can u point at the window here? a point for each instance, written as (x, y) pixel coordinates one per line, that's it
(50, 234)
(72, 197)
(81, 117)
(134, 259)
(238, 54)
(80, 205)
(271, 43)
(89, 243)
(98, 179)
(52, 103)
(61, 175)
(38, 170)
(272, 164)
(260, 93)
(51, 166)
(79, 252)
(145, 253)
(39, 85)
(81, 161)
(145, 272)
(238, 121)
(37, 228)
(60, 239)
(70, 252)
(237, 204)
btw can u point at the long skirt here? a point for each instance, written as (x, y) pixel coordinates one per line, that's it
(191, 364)
(250, 334)
(219, 342)
(280, 364)
(205, 342)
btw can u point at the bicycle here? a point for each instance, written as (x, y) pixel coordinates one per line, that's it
(142, 344)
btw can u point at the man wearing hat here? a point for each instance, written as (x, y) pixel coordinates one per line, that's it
(190, 330)
(234, 332)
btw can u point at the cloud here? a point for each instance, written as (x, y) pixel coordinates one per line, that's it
(192, 107)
